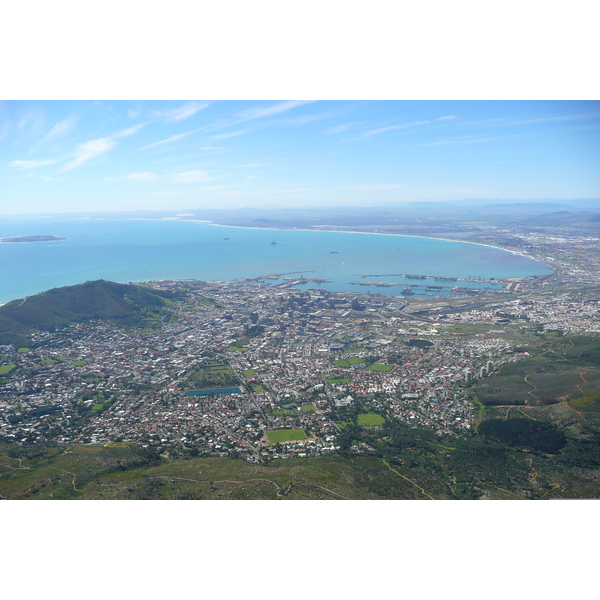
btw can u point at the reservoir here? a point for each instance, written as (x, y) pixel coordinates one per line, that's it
(129, 250)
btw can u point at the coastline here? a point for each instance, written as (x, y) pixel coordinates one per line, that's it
(205, 222)
(529, 272)
(425, 237)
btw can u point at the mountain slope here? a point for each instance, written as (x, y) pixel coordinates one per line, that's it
(122, 304)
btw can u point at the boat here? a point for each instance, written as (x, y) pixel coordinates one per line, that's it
(225, 238)
(333, 252)
(273, 243)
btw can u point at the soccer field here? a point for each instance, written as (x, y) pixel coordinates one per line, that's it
(285, 435)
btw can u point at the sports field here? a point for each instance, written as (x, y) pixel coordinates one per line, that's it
(348, 362)
(285, 435)
(370, 420)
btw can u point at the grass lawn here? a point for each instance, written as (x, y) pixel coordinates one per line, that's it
(98, 407)
(340, 380)
(249, 373)
(370, 420)
(355, 360)
(341, 363)
(258, 389)
(48, 362)
(6, 369)
(23, 350)
(285, 435)
(236, 349)
(309, 408)
(79, 363)
(380, 367)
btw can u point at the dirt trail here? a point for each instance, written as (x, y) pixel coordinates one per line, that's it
(536, 474)
(407, 479)
(525, 414)
(19, 467)
(554, 486)
(533, 386)
(575, 411)
(584, 381)
(68, 473)
(327, 490)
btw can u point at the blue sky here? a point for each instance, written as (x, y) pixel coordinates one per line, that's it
(73, 156)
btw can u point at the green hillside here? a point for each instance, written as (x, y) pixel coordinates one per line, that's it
(122, 304)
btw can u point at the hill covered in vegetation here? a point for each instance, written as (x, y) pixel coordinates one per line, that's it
(123, 304)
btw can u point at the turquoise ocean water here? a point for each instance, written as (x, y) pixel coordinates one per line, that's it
(146, 249)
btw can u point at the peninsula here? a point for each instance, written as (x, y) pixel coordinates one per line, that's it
(31, 238)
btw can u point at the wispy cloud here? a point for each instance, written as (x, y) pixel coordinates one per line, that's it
(31, 117)
(204, 189)
(42, 177)
(506, 122)
(195, 176)
(4, 127)
(447, 118)
(31, 164)
(145, 176)
(593, 115)
(305, 119)
(469, 139)
(31, 124)
(129, 131)
(173, 138)
(60, 129)
(183, 112)
(134, 114)
(268, 111)
(393, 127)
(86, 151)
(223, 136)
(258, 112)
(191, 177)
(339, 128)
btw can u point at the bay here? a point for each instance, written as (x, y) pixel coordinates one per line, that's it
(128, 250)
